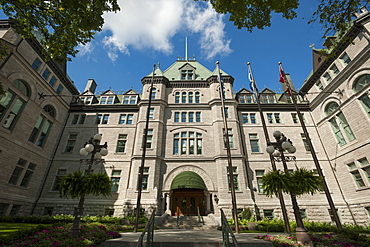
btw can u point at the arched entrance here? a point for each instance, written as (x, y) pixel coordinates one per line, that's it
(187, 194)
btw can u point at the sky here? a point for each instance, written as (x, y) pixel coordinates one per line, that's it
(147, 32)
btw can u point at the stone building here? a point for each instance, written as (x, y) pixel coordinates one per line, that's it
(186, 159)
(32, 115)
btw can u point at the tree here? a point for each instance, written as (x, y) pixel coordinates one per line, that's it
(296, 183)
(77, 185)
(250, 14)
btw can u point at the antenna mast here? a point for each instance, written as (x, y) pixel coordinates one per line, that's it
(186, 48)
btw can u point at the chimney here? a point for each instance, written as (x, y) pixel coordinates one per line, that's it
(91, 86)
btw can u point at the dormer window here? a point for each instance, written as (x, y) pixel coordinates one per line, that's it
(268, 99)
(246, 99)
(187, 75)
(130, 100)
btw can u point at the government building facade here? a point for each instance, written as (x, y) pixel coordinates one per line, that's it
(46, 121)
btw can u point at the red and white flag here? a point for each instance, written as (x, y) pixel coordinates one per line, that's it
(282, 80)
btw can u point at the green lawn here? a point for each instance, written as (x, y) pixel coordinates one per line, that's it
(6, 228)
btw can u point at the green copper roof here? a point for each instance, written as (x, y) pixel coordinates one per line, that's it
(202, 73)
(188, 180)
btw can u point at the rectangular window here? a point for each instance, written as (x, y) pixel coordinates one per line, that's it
(277, 117)
(183, 117)
(52, 81)
(231, 138)
(36, 64)
(104, 119)
(327, 77)
(98, 118)
(334, 69)
(5, 102)
(305, 143)
(46, 74)
(303, 213)
(319, 85)
(245, 118)
(18, 170)
(75, 119)
(59, 89)
(356, 175)
(3, 209)
(259, 174)
(15, 210)
(365, 102)
(58, 176)
(197, 117)
(129, 118)
(337, 132)
(226, 112)
(235, 176)
(151, 113)
(122, 119)
(28, 175)
(110, 100)
(253, 118)
(144, 184)
(253, 139)
(103, 100)
(133, 100)
(14, 114)
(191, 117)
(296, 119)
(44, 134)
(121, 143)
(88, 100)
(126, 99)
(82, 119)
(70, 143)
(149, 139)
(347, 129)
(268, 213)
(116, 176)
(270, 118)
(36, 129)
(177, 117)
(345, 59)
(176, 141)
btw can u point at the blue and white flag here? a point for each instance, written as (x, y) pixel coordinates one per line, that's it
(253, 84)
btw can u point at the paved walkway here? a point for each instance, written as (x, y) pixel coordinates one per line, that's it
(188, 237)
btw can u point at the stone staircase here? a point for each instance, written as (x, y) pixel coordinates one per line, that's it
(189, 222)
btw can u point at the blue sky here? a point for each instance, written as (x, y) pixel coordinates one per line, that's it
(146, 32)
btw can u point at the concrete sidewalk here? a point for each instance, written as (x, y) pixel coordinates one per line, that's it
(187, 237)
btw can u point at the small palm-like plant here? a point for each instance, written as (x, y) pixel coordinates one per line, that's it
(299, 182)
(76, 185)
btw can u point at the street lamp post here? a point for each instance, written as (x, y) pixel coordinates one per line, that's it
(97, 151)
(276, 149)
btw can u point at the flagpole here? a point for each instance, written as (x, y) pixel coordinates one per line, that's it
(273, 164)
(229, 161)
(141, 170)
(313, 153)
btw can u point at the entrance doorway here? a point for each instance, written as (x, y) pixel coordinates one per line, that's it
(187, 202)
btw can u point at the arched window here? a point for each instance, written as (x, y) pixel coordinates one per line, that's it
(183, 97)
(177, 97)
(50, 110)
(331, 107)
(12, 104)
(190, 97)
(197, 97)
(23, 87)
(361, 82)
(339, 124)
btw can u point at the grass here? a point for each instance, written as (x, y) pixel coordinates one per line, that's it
(8, 228)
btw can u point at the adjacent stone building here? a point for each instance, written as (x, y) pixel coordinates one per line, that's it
(186, 160)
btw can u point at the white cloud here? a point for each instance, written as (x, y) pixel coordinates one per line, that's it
(151, 24)
(85, 49)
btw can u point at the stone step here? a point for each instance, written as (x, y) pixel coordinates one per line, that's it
(186, 238)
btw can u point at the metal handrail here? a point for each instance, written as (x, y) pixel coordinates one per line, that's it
(226, 232)
(200, 218)
(149, 227)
